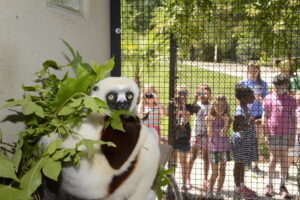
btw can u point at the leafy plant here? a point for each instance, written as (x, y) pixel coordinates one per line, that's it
(53, 105)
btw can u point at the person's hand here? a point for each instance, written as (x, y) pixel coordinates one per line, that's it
(266, 139)
(291, 141)
(251, 120)
(259, 98)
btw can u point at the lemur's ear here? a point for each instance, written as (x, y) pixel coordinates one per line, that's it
(96, 88)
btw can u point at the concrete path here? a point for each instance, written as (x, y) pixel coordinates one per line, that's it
(238, 70)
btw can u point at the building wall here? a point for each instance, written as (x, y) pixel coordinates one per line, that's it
(30, 34)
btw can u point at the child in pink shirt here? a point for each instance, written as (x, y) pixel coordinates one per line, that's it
(279, 121)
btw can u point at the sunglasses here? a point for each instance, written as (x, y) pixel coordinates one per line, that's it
(183, 93)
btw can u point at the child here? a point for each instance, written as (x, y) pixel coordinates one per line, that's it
(183, 131)
(218, 124)
(244, 140)
(279, 121)
(199, 133)
(150, 108)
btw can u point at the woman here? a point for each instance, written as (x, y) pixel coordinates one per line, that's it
(260, 89)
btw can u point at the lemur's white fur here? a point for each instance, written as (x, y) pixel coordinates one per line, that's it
(91, 179)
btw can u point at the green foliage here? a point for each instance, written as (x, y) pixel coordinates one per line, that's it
(162, 180)
(53, 106)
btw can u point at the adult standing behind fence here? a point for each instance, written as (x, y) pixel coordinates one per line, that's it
(150, 108)
(182, 134)
(260, 89)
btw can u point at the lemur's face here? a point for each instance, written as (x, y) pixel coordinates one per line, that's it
(119, 100)
(120, 93)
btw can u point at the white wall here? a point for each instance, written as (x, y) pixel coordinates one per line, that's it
(30, 33)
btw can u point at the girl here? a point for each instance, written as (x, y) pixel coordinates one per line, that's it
(260, 89)
(279, 120)
(199, 133)
(183, 131)
(150, 109)
(218, 124)
(244, 140)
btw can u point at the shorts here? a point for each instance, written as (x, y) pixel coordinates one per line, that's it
(216, 157)
(280, 140)
(294, 151)
(182, 147)
(199, 141)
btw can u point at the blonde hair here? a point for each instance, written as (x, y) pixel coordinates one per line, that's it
(217, 99)
(297, 96)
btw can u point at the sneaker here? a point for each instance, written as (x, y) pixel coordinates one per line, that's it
(219, 196)
(284, 192)
(269, 191)
(242, 193)
(257, 171)
(210, 195)
(249, 190)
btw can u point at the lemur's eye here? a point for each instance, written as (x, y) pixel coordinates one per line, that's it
(129, 96)
(110, 97)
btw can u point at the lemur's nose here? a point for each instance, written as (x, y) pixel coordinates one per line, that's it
(121, 105)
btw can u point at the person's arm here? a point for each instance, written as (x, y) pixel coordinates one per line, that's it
(264, 124)
(209, 124)
(225, 129)
(237, 123)
(162, 109)
(294, 128)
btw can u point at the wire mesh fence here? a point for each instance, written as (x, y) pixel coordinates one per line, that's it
(195, 62)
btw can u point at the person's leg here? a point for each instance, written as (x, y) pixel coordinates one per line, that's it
(222, 173)
(183, 163)
(238, 173)
(283, 163)
(272, 164)
(205, 162)
(214, 176)
(190, 163)
(259, 130)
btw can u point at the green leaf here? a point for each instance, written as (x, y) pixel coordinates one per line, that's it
(102, 70)
(18, 154)
(89, 144)
(50, 64)
(9, 193)
(1, 135)
(70, 87)
(66, 111)
(75, 103)
(115, 120)
(33, 178)
(13, 103)
(52, 169)
(31, 107)
(93, 103)
(51, 148)
(7, 169)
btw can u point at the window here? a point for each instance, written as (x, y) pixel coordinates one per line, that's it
(74, 5)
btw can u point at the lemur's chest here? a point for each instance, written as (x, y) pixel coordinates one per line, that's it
(125, 141)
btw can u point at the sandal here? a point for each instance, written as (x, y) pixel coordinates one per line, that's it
(205, 185)
(186, 187)
(284, 192)
(269, 191)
